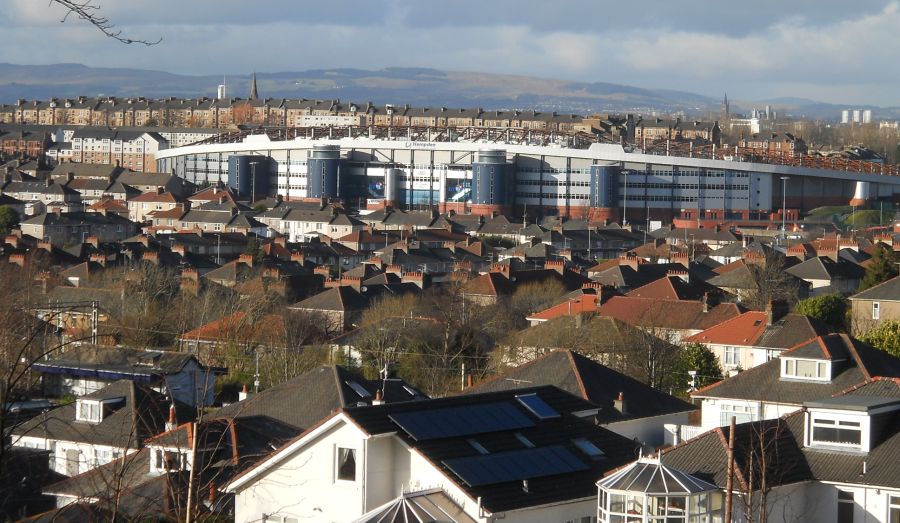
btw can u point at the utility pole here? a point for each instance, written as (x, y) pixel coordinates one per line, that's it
(95, 317)
(784, 180)
(729, 479)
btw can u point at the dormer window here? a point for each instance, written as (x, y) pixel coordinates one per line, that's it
(794, 368)
(840, 432)
(89, 411)
(850, 423)
(93, 411)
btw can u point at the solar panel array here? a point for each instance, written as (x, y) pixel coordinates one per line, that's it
(464, 420)
(515, 466)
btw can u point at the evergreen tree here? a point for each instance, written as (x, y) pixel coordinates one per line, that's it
(830, 309)
(885, 337)
(698, 357)
(9, 218)
(881, 268)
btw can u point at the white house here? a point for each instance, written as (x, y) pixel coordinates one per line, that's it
(811, 371)
(99, 427)
(522, 456)
(835, 460)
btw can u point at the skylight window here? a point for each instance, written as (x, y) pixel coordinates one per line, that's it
(358, 389)
(477, 446)
(591, 450)
(537, 406)
(524, 441)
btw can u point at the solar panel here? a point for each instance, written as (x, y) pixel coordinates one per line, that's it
(464, 420)
(537, 406)
(515, 465)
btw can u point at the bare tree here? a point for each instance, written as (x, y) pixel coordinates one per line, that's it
(89, 11)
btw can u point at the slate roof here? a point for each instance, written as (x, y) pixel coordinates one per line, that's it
(143, 414)
(88, 360)
(706, 455)
(589, 380)
(824, 268)
(303, 401)
(764, 382)
(674, 288)
(509, 495)
(342, 298)
(886, 291)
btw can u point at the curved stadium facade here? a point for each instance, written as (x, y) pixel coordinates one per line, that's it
(498, 172)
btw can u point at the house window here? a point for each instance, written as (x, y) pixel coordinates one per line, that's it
(271, 518)
(893, 509)
(845, 507)
(169, 460)
(346, 464)
(88, 411)
(805, 369)
(836, 432)
(876, 310)
(732, 356)
(741, 413)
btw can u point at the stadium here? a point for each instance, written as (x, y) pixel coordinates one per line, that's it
(485, 171)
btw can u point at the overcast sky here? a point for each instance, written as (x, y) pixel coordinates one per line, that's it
(829, 50)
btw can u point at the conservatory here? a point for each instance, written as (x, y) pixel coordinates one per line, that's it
(649, 492)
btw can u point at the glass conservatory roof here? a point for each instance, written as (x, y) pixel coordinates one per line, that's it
(649, 476)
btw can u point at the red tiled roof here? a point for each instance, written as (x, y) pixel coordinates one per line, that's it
(745, 329)
(671, 314)
(165, 197)
(583, 303)
(490, 284)
(109, 205)
(608, 264)
(236, 326)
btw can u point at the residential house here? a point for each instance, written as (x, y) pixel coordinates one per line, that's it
(87, 369)
(134, 150)
(141, 206)
(626, 406)
(814, 369)
(64, 228)
(872, 307)
(309, 398)
(522, 455)
(831, 461)
(99, 427)
(152, 182)
(826, 275)
(672, 320)
(341, 306)
(755, 337)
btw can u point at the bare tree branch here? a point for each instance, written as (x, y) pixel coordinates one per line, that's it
(89, 11)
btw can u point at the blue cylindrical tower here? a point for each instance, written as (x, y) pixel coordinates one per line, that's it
(492, 182)
(604, 195)
(323, 178)
(248, 174)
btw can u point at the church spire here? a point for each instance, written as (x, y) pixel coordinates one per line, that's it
(253, 93)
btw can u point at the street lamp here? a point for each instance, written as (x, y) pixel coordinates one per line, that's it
(784, 180)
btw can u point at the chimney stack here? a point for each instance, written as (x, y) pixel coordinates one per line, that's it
(244, 393)
(173, 422)
(378, 398)
(619, 403)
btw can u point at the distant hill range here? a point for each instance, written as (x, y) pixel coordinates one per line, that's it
(414, 86)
